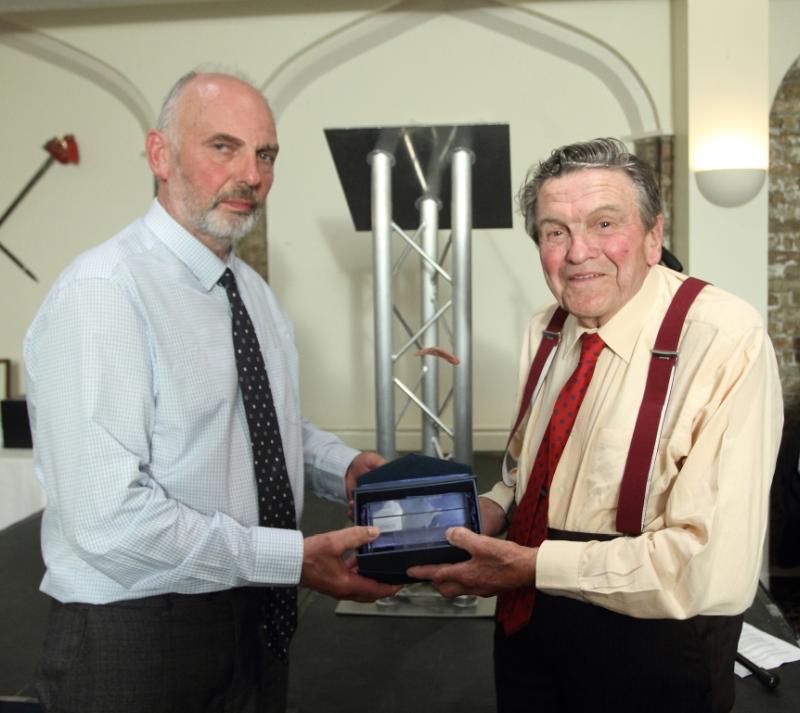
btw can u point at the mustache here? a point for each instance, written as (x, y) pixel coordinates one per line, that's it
(243, 193)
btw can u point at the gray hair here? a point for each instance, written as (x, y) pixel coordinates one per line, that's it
(166, 117)
(598, 153)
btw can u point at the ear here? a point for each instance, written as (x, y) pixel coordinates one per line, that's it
(654, 240)
(159, 155)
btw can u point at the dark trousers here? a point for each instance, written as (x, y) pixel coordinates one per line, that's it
(575, 657)
(176, 653)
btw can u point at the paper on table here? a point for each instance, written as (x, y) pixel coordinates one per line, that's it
(763, 650)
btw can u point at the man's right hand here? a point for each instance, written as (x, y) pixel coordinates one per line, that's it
(326, 570)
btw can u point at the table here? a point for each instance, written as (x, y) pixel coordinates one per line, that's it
(22, 495)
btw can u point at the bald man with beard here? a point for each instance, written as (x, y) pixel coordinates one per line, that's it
(172, 587)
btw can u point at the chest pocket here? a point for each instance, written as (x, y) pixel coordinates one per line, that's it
(602, 474)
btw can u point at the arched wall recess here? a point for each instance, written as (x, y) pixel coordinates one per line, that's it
(581, 49)
(70, 58)
(351, 40)
(523, 25)
(253, 248)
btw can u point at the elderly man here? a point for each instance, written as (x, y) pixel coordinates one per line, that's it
(163, 391)
(638, 502)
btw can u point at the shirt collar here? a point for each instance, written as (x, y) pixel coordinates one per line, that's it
(201, 261)
(622, 331)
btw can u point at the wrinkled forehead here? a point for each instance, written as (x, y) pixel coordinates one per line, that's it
(225, 104)
(583, 184)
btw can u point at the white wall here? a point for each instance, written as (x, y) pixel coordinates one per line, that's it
(322, 269)
(440, 68)
(71, 207)
(721, 110)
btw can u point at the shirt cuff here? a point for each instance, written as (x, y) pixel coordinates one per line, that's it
(557, 567)
(501, 494)
(330, 480)
(279, 556)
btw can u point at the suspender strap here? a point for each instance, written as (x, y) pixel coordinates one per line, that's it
(550, 338)
(644, 443)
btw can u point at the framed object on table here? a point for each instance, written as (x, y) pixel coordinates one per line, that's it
(5, 379)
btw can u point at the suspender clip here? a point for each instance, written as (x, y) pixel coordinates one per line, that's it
(551, 335)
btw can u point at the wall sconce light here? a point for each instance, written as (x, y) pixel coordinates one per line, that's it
(730, 187)
(730, 166)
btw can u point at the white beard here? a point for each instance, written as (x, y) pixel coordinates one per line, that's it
(224, 228)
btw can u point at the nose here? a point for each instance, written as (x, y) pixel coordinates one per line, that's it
(250, 173)
(581, 246)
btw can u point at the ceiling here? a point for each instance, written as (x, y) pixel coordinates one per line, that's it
(34, 5)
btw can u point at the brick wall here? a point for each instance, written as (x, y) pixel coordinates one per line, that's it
(252, 248)
(784, 235)
(658, 152)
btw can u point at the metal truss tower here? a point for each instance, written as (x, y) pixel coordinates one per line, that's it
(411, 183)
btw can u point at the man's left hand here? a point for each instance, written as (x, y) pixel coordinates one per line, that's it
(496, 566)
(362, 463)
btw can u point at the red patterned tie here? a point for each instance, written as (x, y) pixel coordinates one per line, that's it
(529, 524)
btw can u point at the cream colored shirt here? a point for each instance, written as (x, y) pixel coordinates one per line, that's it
(707, 500)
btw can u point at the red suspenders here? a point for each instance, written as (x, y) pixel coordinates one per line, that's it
(644, 442)
(550, 338)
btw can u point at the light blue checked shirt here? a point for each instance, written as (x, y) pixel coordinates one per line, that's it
(140, 436)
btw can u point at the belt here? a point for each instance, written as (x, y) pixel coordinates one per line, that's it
(553, 534)
(173, 600)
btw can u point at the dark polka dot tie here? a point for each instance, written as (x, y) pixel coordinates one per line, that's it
(529, 523)
(275, 500)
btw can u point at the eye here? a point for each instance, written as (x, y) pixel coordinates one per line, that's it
(265, 155)
(554, 238)
(605, 224)
(222, 147)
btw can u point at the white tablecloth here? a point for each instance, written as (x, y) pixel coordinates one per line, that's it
(20, 492)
